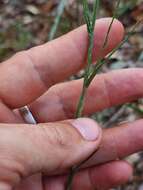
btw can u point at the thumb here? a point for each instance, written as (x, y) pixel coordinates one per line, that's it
(51, 148)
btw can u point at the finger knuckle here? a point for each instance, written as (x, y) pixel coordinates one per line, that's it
(20, 55)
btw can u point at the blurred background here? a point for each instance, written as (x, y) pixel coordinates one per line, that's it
(27, 23)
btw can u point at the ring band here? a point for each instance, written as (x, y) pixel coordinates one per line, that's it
(27, 115)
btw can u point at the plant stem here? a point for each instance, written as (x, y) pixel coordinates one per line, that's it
(80, 106)
(75, 169)
(101, 62)
(60, 11)
(90, 72)
(81, 103)
(90, 21)
(90, 28)
(112, 21)
(70, 179)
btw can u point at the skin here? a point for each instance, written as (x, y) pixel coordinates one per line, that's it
(38, 157)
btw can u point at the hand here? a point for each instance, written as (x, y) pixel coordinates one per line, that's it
(52, 147)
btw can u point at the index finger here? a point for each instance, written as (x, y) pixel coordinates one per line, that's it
(27, 75)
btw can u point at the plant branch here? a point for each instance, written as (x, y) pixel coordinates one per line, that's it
(101, 62)
(112, 21)
(81, 103)
(86, 85)
(90, 21)
(91, 71)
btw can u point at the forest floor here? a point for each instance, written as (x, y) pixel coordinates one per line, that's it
(27, 23)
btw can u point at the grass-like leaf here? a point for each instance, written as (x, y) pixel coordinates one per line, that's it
(112, 21)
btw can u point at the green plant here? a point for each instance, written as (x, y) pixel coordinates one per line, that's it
(90, 21)
(92, 70)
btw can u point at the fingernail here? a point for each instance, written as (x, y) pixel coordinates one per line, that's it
(87, 128)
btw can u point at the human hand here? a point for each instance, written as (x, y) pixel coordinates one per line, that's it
(52, 147)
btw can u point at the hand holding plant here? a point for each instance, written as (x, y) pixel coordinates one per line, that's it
(56, 143)
(92, 70)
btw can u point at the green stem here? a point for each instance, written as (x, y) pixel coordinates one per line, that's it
(90, 22)
(60, 11)
(80, 106)
(70, 179)
(90, 72)
(90, 29)
(101, 62)
(112, 21)
(75, 169)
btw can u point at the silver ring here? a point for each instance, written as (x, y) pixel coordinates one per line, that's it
(27, 115)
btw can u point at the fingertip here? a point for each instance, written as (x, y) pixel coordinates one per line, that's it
(124, 172)
(111, 174)
(120, 173)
